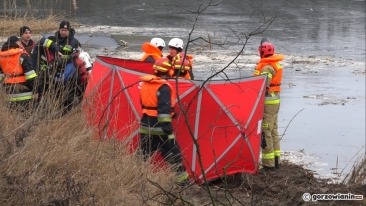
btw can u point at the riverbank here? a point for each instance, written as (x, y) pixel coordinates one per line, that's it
(60, 163)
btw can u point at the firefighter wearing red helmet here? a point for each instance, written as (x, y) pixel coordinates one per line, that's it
(156, 131)
(269, 65)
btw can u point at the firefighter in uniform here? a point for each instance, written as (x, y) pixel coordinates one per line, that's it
(181, 63)
(43, 55)
(181, 67)
(156, 132)
(68, 45)
(269, 65)
(153, 50)
(17, 73)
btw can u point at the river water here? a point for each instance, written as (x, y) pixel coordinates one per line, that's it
(308, 27)
(322, 116)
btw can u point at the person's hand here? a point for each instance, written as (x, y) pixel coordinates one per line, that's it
(67, 48)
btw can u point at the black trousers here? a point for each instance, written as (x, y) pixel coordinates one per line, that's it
(168, 148)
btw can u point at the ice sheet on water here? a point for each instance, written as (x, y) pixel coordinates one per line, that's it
(330, 89)
(313, 162)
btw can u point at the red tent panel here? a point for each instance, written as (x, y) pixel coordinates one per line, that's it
(226, 129)
(105, 98)
(222, 116)
(139, 66)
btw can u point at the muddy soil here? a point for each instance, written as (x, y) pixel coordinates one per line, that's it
(285, 186)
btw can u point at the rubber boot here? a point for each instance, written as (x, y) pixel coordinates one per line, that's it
(277, 162)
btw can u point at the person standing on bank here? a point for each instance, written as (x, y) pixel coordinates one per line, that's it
(26, 39)
(269, 65)
(156, 131)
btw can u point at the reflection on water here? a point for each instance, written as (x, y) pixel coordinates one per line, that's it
(301, 27)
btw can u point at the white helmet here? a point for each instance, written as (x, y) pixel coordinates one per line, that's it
(176, 42)
(158, 42)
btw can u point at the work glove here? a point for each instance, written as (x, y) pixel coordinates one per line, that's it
(67, 49)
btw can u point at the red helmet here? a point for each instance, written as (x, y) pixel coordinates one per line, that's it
(162, 65)
(266, 49)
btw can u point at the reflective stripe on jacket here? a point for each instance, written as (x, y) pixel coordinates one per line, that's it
(275, 78)
(49, 57)
(20, 96)
(183, 67)
(149, 97)
(272, 98)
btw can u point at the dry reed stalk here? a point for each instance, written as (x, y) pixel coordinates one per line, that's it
(39, 15)
(10, 26)
(62, 162)
(358, 173)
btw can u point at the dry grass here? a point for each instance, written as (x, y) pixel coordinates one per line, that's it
(9, 26)
(358, 173)
(39, 15)
(61, 163)
(11, 21)
(51, 159)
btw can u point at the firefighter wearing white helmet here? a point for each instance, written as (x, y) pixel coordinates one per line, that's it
(176, 43)
(153, 50)
(176, 55)
(158, 42)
